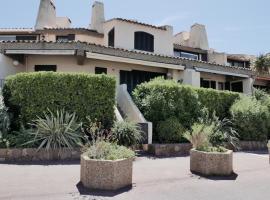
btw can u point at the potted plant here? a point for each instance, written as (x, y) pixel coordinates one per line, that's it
(105, 165)
(206, 157)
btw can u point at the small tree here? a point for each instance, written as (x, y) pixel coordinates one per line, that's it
(262, 64)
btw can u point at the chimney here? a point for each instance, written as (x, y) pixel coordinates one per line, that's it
(182, 38)
(198, 37)
(63, 22)
(46, 15)
(98, 17)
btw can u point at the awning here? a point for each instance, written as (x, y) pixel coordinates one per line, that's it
(221, 72)
(98, 56)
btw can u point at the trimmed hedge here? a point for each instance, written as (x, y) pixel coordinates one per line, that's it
(217, 101)
(28, 95)
(161, 99)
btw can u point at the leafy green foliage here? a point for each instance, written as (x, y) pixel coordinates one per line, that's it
(102, 150)
(161, 99)
(216, 101)
(4, 124)
(126, 133)
(199, 136)
(251, 119)
(223, 130)
(170, 131)
(28, 95)
(262, 64)
(55, 131)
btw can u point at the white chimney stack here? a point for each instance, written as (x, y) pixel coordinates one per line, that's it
(98, 17)
(198, 37)
(46, 15)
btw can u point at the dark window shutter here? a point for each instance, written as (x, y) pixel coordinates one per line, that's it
(144, 41)
(71, 37)
(47, 68)
(100, 70)
(111, 38)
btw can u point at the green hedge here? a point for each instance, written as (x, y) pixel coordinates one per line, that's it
(30, 94)
(251, 119)
(161, 99)
(218, 101)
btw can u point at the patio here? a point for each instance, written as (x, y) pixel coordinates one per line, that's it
(154, 178)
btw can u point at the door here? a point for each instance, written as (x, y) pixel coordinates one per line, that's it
(135, 77)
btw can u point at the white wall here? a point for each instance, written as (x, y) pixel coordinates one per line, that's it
(124, 36)
(7, 68)
(69, 64)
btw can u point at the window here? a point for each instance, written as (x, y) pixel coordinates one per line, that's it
(184, 54)
(208, 84)
(17, 37)
(65, 38)
(144, 41)
(111, 38)
(237, 86)
(26, 37)
(47, 68)
(100, 70)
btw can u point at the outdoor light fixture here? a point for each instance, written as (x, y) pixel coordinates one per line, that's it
(15, 63)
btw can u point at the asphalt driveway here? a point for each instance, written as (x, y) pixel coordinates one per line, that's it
(154, 179)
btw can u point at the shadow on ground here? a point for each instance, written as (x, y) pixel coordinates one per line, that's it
(232, 177)
(89, 192)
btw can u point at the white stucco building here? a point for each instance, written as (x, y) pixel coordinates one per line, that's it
(132, 51)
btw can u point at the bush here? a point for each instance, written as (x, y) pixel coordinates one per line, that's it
(102, 150)
(28, 95)
(56, 131)
(126, 134)
(216, 101)
(4, 124)
(170, 131)
(251, 119)
(159, 100)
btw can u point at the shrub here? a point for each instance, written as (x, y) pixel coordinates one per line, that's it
(199, 136)
(159, 100)
(170, 131)
(102, 150)
(216, 101)
(4, 124)
(28, 95)
(55, 131)
(126, 134)
(251, 119)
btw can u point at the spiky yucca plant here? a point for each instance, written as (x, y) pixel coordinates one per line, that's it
(57, 130)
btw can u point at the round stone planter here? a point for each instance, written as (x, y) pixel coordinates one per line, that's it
(106, 175)
(211, 163)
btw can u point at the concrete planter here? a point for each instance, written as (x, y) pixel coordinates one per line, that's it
(169, 149)
(106, 175)
(211, 163)
(17, 155)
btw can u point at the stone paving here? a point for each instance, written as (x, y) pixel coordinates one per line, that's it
(154, 179)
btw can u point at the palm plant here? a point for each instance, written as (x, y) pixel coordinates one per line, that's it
(56, 131)
(262, 64)
(199, 136)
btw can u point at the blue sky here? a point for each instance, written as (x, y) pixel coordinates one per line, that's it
(233, 26)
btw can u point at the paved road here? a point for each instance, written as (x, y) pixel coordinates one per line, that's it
(154, 179)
